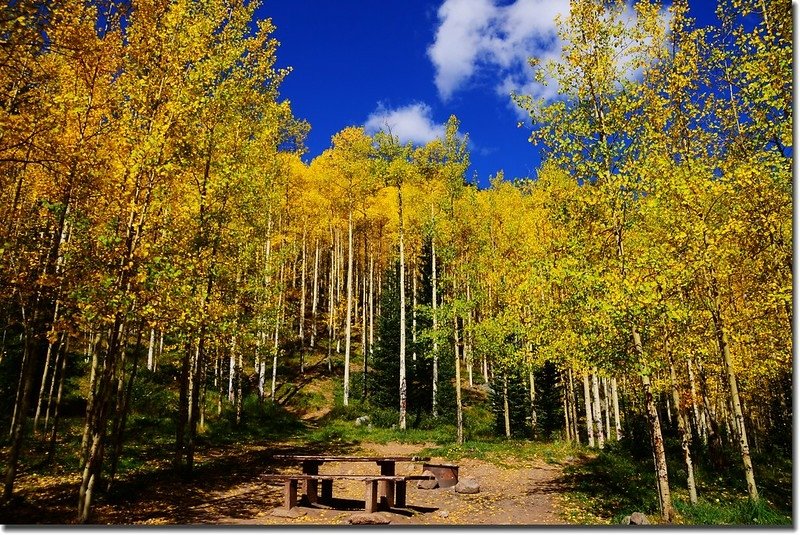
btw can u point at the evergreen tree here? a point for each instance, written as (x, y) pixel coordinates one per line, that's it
(549, 405)
(518, 402)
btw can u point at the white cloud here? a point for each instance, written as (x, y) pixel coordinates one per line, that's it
(409, 123)
(475, 34)
(480, 36)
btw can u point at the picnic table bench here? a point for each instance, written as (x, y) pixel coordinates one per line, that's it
(387, 488)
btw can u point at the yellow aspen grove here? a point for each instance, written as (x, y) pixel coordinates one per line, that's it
(200, 306)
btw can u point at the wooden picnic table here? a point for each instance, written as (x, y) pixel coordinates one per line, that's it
(388, 483)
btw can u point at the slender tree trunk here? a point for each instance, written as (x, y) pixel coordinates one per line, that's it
(302, 319)
(51, 448)
(364, 347)
(183, 408)
(573, 406)
(468, 342)
(403, 390)
(45, 375)
(506, 412)
(615, 402)
(239, 383)
(606, 407)
(697, 416)
(434, 305)
(26, 387)
(96, 421)
(587, 399)
(276, 341)
(331, 306)
(63, 346)
(596, 411)
(459, 412)
(371, 305)
(91, 395)
(657, 441)
(151, 350)
(231, 370)
(315, 294)
(684, 433)
(124, 399)
(533, 404)
(160, 349)
(414, 312)
(744, 448)
(349, 320)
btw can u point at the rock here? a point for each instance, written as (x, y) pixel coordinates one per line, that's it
(368, 519)
(636, 519)
(282, 512)
(443, 514)
(427, 484)
(362, 420)
(467, 485)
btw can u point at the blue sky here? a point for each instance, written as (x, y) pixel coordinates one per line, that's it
(413, 63)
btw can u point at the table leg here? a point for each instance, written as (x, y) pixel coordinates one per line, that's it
(310, 468)
(311, 491)
(386, 488)
(400, 494)
(326, 494)
(290, 494)
(371, 496)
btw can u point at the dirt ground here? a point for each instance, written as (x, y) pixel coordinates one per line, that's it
(520, 496)
(227, 490)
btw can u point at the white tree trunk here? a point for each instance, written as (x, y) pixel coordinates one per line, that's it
(315, 294)
(302, 328)
(605, 408)
(533, 403)
(685, 437)
(403, 390)
(348, 321)
(587, 398)
(506, 411)
(434, 305)
(615, 402)
(371, 304)
(151, 348)
(596, 411)
(414, 313)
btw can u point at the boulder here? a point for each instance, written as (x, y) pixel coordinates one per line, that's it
(636, 519)
(467, 485)
(443, 514)
(364, 519)
(362, 420)
(427, 484)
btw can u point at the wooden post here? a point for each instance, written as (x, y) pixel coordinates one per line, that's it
(326, 492)
(386, 488)
(400, 494)
(290, 494)
(310, 485)
(371, 496)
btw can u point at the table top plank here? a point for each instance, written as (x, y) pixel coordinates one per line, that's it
(351, 477)
(348, 458)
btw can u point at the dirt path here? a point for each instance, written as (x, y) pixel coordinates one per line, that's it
(523, 495)
(227, 489)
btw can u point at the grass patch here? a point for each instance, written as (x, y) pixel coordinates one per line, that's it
(613, 483)
(507, 453)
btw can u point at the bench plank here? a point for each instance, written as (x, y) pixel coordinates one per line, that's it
(345, 458)
(350, 477)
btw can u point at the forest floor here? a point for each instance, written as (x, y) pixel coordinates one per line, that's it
(228, 489)
(521, 482)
